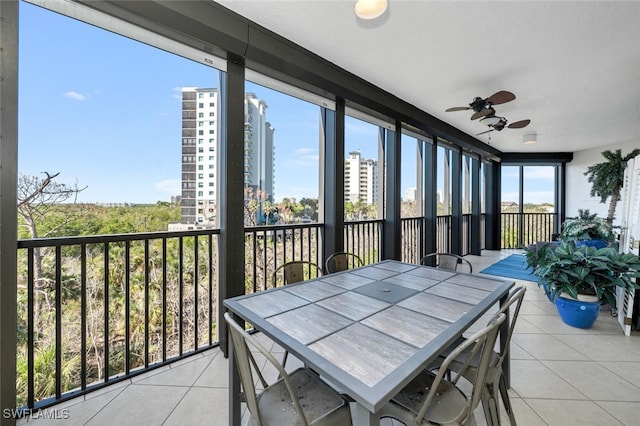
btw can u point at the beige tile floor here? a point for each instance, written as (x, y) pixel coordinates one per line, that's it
(560, 376)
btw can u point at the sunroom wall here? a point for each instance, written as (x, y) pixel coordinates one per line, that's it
(578, 188)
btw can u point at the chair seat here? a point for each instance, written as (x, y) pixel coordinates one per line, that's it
(447, 407)
(458, 363)
(321, 404)
(494, 380)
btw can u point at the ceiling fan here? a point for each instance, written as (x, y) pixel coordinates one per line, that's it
(482, 107)
(499, 123)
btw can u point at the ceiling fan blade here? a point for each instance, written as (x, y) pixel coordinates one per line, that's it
(483, 113)
(501, 97)
(457, 109)
(519, 124)
(486, 131)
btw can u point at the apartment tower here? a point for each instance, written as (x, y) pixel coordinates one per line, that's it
(200, 161)
(360, 178)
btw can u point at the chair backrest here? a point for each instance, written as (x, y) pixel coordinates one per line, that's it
(294, 271)
(448, 261)
(244, 361)
(515, 298)
(480, 345)
(341, 261)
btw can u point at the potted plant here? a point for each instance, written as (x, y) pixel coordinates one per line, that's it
(570, 273)
(587, 229)
(536, 256)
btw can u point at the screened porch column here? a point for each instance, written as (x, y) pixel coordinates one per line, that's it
(456, 202)
(492, 215)
(8, 209)
(332, 178)
(476, 204)
(392, 239)
(430, 197)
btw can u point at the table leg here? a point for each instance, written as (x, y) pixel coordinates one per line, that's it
(360, 416)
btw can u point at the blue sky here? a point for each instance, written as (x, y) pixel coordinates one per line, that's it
(538, 184)
(105, 112)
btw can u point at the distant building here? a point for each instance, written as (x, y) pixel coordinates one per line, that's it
(411, 194)
(259, 161)
(360, 178)
(200, 132)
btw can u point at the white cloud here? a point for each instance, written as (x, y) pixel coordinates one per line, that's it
(75, 95)
(305, 155)
(177, 93)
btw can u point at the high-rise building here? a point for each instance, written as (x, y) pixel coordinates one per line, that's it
(200, 161)
(360, 178)
(259, 153)
(410, 194)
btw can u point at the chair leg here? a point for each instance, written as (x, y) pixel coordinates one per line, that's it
(284, 362)
(490, 405)
(505, 400)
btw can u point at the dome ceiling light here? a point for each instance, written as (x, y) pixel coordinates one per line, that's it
(370, 9)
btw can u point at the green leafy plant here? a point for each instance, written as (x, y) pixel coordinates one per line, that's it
(536, 254)
(586, 226)
(568, 270)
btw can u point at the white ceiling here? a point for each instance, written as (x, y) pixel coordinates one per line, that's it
(574, 66)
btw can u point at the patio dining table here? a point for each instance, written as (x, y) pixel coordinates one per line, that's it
(369, 331)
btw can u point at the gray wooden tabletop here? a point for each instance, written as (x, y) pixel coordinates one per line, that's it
(370, 330)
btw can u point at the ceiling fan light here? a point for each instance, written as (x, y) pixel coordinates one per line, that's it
(370, 9)
(529, 139)
(490, 120)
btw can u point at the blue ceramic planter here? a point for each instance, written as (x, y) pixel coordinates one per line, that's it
(576, 313)
(547, 292)
(598, 244)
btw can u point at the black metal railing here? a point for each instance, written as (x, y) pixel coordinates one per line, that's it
(268, 247)
(466, 234)
(364, 238)
(413, 236)
(443, 234)
(520, 230)
(95, 310)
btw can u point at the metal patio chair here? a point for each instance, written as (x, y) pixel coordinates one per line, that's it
(448, 261)
(341, 261)
(431, 399)
(495, 379)
(294, 271)
(299, 397)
